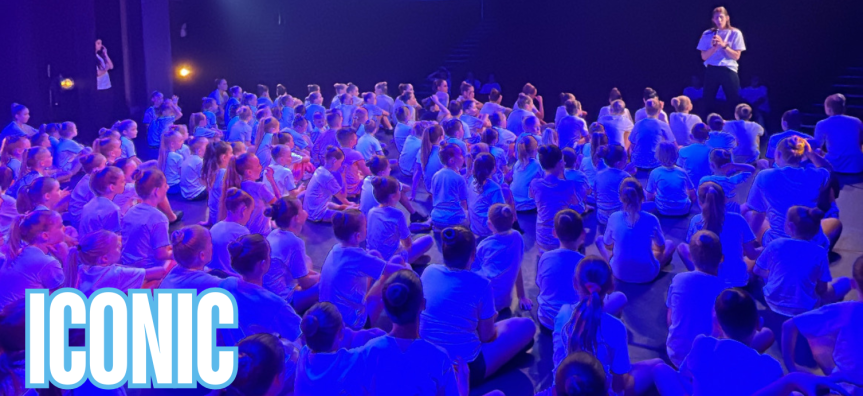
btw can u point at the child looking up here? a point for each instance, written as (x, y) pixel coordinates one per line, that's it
(668, 185)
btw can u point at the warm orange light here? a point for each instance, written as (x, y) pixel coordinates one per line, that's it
(185, 71)
(67, 83)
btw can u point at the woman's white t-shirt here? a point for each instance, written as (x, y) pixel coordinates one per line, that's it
(733, 37)
(633, 260)
(456, 300)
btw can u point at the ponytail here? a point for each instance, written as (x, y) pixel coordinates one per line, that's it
(526, 147)
(598, 139)
(233, 178)
(430, 135)
(712, 201)
(593, 280)
(632, 196)
(483, 167)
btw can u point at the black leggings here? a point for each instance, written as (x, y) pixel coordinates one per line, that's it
(714, 77)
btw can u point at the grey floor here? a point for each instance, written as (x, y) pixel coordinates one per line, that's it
(645, 314)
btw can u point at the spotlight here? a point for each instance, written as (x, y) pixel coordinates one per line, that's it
(185, 71)
(67, 83)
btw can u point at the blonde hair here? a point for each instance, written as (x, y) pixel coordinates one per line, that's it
(164, 148)
(188, 242)
(100, 180)
(652, 107)
(27, 227)
(722, 10)
(526, 148)
(743, 112)
(681, 104)
(617, 107)
(792, 149)
(90, 248)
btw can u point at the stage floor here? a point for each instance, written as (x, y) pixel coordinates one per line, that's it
(644, 315)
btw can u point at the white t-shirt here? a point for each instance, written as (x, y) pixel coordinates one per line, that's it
(691, 297)
(398, 366)
(606, 187)
(284, 178)
(671, 186)
(431, 167)
(260, 311)
(570, 129)
(522, 176)
(409, 153)
(712, 375)
(387, 227)
(449, 189)
(777, 189)
(735, 233)
(181, 277)
(840, 322)
(144, 229)
(732, 36)
(264, 151)
(319, 192)
(258, 223)
(641, 114)
(633, 260)
(606, 110)
(120, 277)
(367, 196)
(748, 135)
(241, 131)
(191, 179)
(645, 138)
(794, 269)
(730, 185)
(8, 214)
(681, 126)
(721, 140)
(551, 196)
(330, 374)
(554, 278)
(841, 134)
(369, 146)
(612, 350)
(287, 263)
(214, 196)
(80, 196)
(345, 279)
(478, 204)
(515, 120)
(400, 134)
(126, 199)
(498, 259)
(222, 234)
(695, 159)
(173, 164)
(99, 214)
(32, 269)
(456, 300)
(615, 126)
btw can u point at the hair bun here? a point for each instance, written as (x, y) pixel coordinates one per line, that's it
(816, 213)
(397, 294)
(269, 212)
(235, 248)
(309, 325)
(177, 236)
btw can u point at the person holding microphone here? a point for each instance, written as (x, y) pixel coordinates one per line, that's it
(720, 48)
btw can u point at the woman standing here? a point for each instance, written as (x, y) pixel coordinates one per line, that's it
(720, 48)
